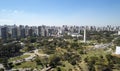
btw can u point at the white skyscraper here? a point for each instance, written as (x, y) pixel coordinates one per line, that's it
(84, 35)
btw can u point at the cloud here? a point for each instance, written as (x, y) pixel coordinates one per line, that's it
(5, 21)
(9, 15)
(3, 10)
(10, 12)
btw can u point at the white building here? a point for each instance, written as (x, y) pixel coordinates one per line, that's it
(75, 35)
(117, 50)
(118, 32)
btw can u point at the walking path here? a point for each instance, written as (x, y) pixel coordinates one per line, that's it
(31, 57)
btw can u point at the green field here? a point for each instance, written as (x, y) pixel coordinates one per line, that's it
(18, 58)
(28, 64)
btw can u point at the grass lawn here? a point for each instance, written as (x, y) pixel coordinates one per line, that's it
(115, 70)
(67, 66)
(18, 58)
(83, 66)
(28, 64)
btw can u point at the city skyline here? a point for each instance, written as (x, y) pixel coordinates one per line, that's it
(21, 31)
(60, 12)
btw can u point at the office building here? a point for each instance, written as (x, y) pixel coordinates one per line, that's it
(14, 32)
(30, 32)
(22, 33)
(4, 32)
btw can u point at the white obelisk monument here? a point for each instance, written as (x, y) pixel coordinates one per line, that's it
(84, 35)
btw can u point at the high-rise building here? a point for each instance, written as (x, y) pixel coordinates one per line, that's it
(49, 32)
(35, 31)
(30, 31)
(4, 32)
(39, 30)
(42, 30)
(14, 32)
(22, 33)
(46, 32)
(26, 30)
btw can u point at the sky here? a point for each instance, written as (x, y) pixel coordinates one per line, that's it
(60, 12)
